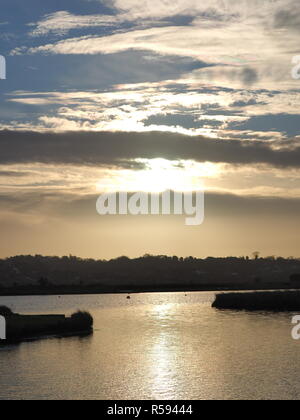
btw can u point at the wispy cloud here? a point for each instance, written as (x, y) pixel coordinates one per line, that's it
(247, 45)
(60, 23)
(214, 9)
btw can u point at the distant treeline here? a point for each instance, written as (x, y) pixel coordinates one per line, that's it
(39, 274)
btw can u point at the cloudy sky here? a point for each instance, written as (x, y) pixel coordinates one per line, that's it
(110, 95)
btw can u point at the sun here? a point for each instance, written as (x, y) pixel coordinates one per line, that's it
(159, 175)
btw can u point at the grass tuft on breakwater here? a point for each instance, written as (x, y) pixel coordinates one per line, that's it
(5, 311)
(82, 319)
(259, 301)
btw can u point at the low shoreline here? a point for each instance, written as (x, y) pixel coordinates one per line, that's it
(275, 301)
(62, 290)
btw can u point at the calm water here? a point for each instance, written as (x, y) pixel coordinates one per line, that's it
(154, 346)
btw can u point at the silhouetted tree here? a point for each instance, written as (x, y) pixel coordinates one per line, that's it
(44, 282)
(295, 278)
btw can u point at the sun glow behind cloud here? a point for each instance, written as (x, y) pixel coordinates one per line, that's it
(160, 175)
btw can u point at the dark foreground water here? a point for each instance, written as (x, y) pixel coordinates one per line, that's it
(154, 346)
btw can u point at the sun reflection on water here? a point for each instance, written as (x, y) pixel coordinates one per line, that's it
(164, 352)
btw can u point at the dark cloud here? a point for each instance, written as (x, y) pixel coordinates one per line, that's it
(288, 19)
(108, 148)
(249, 76)
(246, 76)
(217, 204)
(250, 102)
(183, 120)
(14, 174)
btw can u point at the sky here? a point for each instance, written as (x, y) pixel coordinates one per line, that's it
(139, 95)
